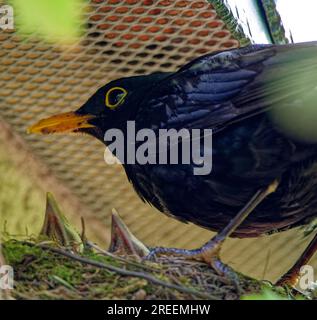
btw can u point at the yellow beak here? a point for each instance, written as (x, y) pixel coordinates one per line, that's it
(62, 123)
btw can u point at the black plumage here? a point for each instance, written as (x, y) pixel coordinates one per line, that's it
(233, 93)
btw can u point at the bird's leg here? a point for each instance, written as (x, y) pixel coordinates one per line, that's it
(209, 252)
(291, 277)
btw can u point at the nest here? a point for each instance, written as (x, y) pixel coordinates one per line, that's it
(47, 272)
(62, 264)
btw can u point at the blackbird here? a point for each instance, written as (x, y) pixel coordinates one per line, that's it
(263, 178)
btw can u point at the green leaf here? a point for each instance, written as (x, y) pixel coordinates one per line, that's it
(53, 20)
(266, 294)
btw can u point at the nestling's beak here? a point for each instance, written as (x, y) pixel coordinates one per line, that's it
(62, 123)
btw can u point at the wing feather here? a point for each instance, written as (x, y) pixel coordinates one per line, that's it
(218, 89)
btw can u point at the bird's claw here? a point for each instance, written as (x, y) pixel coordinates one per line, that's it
(212, 258)
(154, 252)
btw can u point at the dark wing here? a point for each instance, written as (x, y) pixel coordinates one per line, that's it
(218, 89)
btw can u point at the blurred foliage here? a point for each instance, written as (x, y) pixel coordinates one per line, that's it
(298, 119)
(53, 20)
(290, 88)
(266, 294)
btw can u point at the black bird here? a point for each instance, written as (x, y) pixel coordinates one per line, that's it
(263, 179)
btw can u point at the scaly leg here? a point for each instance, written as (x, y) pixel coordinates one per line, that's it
(209, 252)
(291, 277)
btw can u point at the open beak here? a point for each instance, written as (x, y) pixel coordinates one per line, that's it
(62, 123)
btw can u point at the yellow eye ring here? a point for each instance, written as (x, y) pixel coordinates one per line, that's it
(123, 94)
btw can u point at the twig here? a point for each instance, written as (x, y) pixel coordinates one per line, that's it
(124, 272)
(104, 252)
(83, 230)
(109, 254)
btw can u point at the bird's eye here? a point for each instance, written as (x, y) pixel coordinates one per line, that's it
(115, 96)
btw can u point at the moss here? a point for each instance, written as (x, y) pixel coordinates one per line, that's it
(15, 252)
(39, 273)
(72, 276)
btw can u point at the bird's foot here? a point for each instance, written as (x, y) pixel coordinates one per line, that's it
(208, 253)
(189, 254)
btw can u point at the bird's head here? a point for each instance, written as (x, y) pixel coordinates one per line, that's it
(111, 106)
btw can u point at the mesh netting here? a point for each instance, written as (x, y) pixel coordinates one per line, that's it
(122, 38)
